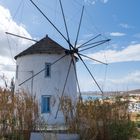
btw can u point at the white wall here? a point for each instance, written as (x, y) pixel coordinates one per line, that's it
(47, 86)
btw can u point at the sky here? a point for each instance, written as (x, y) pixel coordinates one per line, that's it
(117, 20)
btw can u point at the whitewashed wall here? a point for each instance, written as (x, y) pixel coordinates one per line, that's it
(47, 86)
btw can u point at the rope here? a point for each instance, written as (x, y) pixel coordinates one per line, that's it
(9, 45)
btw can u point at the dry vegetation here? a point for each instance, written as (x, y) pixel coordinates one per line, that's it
(18, 114)
(91, 119)
(99, 120)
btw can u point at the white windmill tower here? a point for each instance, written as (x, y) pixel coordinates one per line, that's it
(51, 69)
(58, 76)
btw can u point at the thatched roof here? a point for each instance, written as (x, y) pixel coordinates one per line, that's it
(44, 46)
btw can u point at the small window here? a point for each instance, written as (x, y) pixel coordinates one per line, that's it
(47, 70)
(17, 72)
(45, 104)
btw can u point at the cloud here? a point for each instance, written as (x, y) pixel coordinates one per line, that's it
(134, 42)
(128, 54)
(104, 1)
(117, 34)
(126, 26)
(9, 45)
(92, 2)
(127, 82)
(133, 77)
(7, 24)
(137, 35)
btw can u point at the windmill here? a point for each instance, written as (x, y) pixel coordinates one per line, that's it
(74, 52)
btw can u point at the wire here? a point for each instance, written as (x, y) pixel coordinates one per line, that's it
(12, 58)
(91, 74)
(106, 70)
(64, 19)
(51, 23)
(18, 8)
(89, 18)
(79, 27)
(55, 17)
(14, 16)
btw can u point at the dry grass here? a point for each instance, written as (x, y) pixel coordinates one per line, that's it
(18, 113)
(98, 120)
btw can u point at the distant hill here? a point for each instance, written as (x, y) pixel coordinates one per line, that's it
(111, 93)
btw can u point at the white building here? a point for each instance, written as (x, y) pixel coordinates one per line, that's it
(134, 103)
(48, 85)
(134, 107)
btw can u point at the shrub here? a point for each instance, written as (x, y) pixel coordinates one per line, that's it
(99, 119)
(18, 112)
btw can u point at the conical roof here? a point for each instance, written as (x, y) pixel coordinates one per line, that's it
(45, 45)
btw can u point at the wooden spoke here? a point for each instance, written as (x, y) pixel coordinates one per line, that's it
(51, 23)
(21, 37)
(63, 89)
(99, 43)
(65, 22)
(93, 59)
(79, 27)
(90, 74)
(89, 41)
(78, 85)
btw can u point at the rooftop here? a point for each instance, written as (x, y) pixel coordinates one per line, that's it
(44, 46)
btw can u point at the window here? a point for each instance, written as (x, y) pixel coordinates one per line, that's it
(17, 72)
(47, 70)
(45, 104)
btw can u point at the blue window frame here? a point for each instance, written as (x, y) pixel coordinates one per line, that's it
(45, 104)
(47, 69)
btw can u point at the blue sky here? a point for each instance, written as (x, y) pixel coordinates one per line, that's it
(115, 19)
